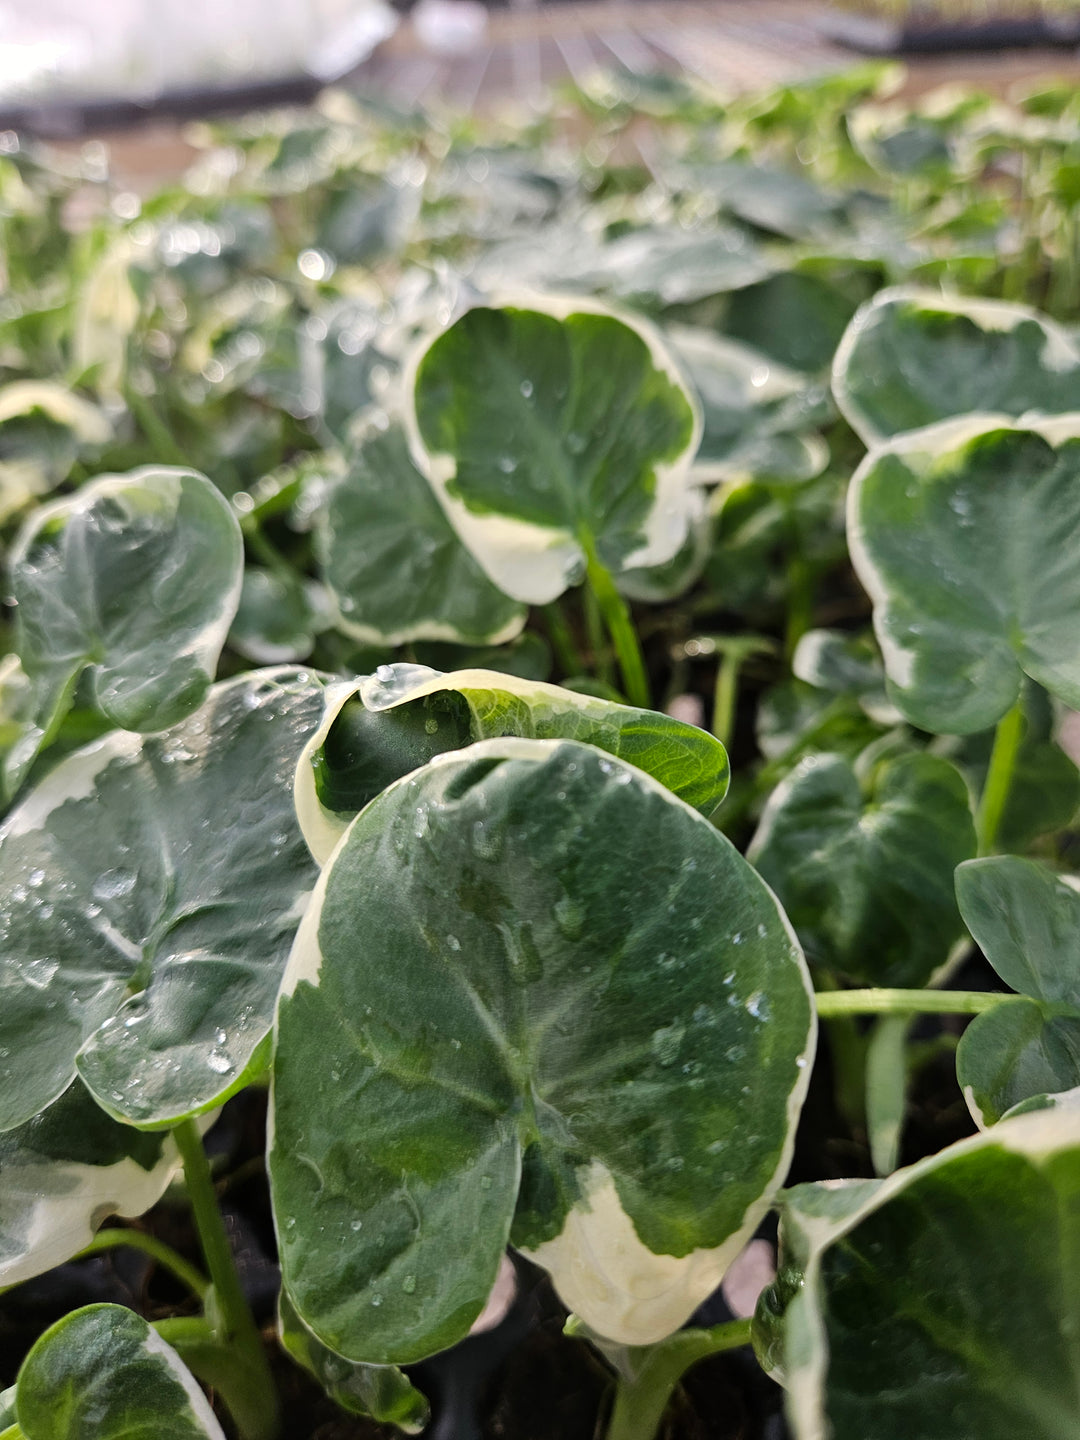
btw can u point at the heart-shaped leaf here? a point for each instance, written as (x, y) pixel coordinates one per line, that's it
(134, 580)
(149, 890)
(102, 1373)
(393, 562)
(1026, 921)
(759, 417)
(912, 357)
(558, 438)
(377, 729)
(967, 537)
(552, 1005)
(892, 1322)
(63, 1172)
(381, 1392)
(867, 877)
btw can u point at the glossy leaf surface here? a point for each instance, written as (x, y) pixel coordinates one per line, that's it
(556, 436)
(903, 1297)
(381, 1392)
(967, 537)
(552, 1005)
(377, 729)
(63, 1172)
(149, 890)
(1026, 921)
(135, 580)
(102, 1373)
(866, 878)
(394, 564)
(913, 357)
(759, 417)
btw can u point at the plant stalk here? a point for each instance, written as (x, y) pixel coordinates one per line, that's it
(164, 1255)
(907, 1002)
(620, 626)
(995, 793)
(249, 1389)
(640, 1403)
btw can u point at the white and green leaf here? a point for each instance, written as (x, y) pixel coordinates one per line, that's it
(102, 1373)
(376, 729)
(44, 428)
(555, 436)
(64, 1172)
(130, 584)
(912, 357)
(1026, 920)
(149, 891)
(394, 564)
(535, 998)
(966, 535)
(866, 874)
(891, 1321)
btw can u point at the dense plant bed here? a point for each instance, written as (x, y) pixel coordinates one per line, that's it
(536, 670)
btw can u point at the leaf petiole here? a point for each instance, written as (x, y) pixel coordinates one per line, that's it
(908, 1002)
(1007, 737)
(640, 1402)
(165, 1256)
(620, 626)
(250, 1393)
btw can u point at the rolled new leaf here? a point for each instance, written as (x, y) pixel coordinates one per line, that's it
(1026, 921)
(377, 729)
(393, 562)
(149, 891)
(134, 580)
(913, 357)
(556, 436)
(102, 1373)
(64, 1172)
(535, 998)
(380, 1392)
(866, 877)
(966, 536)
(890, 1323)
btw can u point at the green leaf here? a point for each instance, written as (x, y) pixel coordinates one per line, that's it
(134, 580)
(886, 1089)
(797, 316)
(867, 878)
(394, 564)
(278, 618)
(538, 998)
(912, 357)
(845, 664)
(377, 729)
(759, 416)
(380, 1392)
(102, 1373)
(966, 535)
(43, 428)
(65, 1171)
(1026, 921)
(556, 437)
(149, 889)
(945, 1303)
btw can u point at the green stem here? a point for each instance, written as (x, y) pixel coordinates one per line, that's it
(594, 633)
(250, 1395)
(907, 1002)
(620, 626)
(800, 584)
(562, 640)
(154, 428)
(640, 1403)
(995, 794)
(191, 1278)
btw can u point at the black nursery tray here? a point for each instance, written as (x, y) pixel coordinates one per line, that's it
(876, 35)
